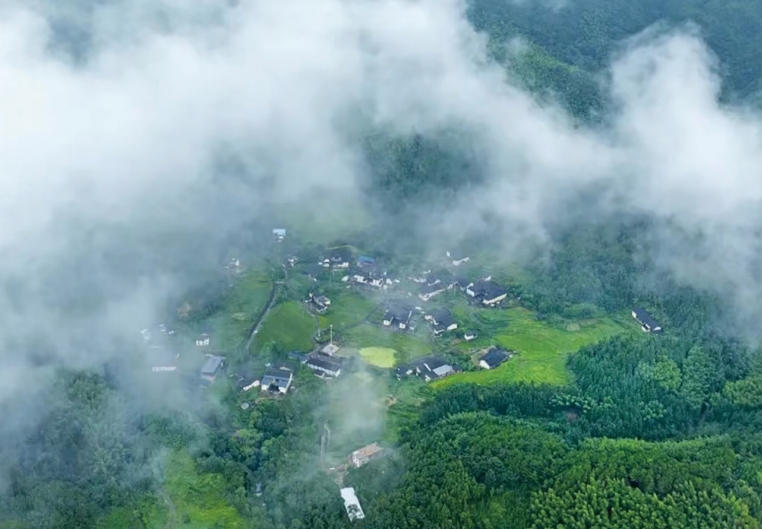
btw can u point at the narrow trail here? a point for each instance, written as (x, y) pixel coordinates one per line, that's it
(172, 519)
(269, 305)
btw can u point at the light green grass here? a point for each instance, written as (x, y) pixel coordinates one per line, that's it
(245, 302)
(542, 348)
(347, 309)
(288, 326)
(407, 345)
(379, 356)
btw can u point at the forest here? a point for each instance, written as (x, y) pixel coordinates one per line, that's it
(650, 432)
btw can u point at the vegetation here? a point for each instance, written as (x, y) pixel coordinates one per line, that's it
(379, 356)
(406, 345)
(288, 326)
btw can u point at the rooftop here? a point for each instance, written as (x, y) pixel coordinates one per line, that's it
(367, 451)
(212, 365)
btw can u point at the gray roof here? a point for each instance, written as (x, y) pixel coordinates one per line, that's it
(443, 317)
(212, 365)
(495, 356)
(279, 377)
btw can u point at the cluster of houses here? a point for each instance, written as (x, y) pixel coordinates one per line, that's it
(483, 291)
(427, 368)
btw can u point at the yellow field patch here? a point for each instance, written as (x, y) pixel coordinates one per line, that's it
(378, 356)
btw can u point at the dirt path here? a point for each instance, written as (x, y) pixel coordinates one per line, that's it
(172, 519)
(269, 305)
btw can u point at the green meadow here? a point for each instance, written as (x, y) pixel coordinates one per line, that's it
(289, 326)
(542, 348)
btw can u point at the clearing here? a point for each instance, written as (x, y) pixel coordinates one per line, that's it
(243, 305)
(379, 356)
(347, 309)
(407, 345)
(288, 326)
(542, 348)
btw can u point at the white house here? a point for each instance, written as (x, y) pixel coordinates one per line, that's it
(352, 504)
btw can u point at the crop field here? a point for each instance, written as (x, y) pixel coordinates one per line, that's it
(542, 348)
(287, 325)
(379, 356)
(406, 345)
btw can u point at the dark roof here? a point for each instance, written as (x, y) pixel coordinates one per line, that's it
(312, 269)
(324, 361)
(343, 254)
(398, 312)
(277, 376)
(495, 356)
(443, 317)
(428, 289)
(646, 319)
(212, 365)
(462, 281)
(488, 289)
(457, 255)
(441, 276)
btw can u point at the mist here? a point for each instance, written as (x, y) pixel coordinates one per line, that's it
(141, 139)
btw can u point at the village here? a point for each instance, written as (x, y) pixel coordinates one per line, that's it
(348, 313)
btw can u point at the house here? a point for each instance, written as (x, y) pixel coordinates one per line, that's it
(364, 260)
(211, 368)
(323, 364)
(162, 359)
(279, 234)
(330, 349)
(398, 315)
(321, 303)
(457, 258)
(469, 335)
(442, 321)
(298, 356)
(277, 379)
(647, 323)
(420, 278)
(433, 368)
(291, 261)
(461, 282)
(312, 271)
(339, 257)
(493, 358)
(352, 504)
(203, 340)
(429, 291)
(359, 457)
(487, 292)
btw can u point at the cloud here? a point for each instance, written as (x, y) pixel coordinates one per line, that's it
(137, 136)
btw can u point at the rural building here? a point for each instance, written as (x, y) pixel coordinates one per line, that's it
(433, 368)
(212, 367)
(469, 335)
(339, 257)
(647, 323)
(493, 358)
(162, 359)
(279, 234)
(277, 379)
(398, 315)
(367, 453)
(321, 303)
(323, 364)
(442, 321)
(203, 340)
(487, 292)
(457, 258)
(429, 291)
(352, 504)
(364, 260)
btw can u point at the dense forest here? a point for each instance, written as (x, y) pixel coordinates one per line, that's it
(650, 432)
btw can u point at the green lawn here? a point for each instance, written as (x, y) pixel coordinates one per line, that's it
(379, 356)
(188, 499)
(289, 326)
(347, 309)
(542, 348)
(406, 345)
(244, 303)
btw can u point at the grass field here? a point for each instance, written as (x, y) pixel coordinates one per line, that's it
(347, 309)
(406, 345)
(379, 356)
(246, 300)
(542, 349)
(289, 326)
(189, 499)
